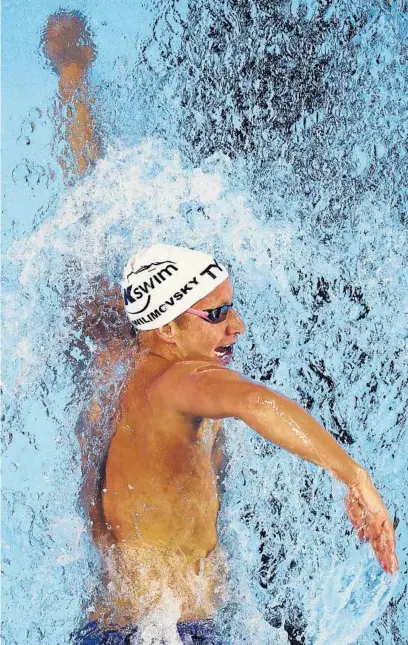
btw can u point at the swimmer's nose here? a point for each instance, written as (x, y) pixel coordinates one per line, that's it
(235, 323)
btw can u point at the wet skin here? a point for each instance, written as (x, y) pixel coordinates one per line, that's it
(67, 44)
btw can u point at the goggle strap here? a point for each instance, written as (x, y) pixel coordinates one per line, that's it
(198, 312)
(207, 314)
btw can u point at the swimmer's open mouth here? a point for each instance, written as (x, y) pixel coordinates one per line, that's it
(224, 350)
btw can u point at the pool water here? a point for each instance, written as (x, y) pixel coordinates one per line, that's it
(272, 136)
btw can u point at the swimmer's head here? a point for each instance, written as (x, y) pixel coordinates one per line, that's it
(185, 297)
(163, 281)
(191, 336)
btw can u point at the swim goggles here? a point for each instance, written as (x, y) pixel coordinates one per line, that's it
(212, 316)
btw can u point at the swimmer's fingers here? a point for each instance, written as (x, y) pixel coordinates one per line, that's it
(377, 519)
(66, 39)
(380, 527)
(380, 530)
(370, 518)
(356, 516)
(382, 538)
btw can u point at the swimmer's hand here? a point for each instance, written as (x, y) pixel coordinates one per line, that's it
(67, 42)
(370, 518)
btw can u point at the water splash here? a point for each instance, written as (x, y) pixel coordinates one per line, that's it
(283, 517)
(308, 211)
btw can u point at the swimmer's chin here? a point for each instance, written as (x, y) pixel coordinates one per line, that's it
(216, 357)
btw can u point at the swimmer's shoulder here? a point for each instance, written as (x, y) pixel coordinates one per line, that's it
(179, 370)
(200, 388)
(177, 373)
(196, 387)
(149, 379)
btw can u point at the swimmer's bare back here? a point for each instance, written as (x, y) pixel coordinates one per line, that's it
(160, 486)
(161, 497)
(130, 466)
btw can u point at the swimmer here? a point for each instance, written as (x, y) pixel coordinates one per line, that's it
(152, 492)
(161, 483)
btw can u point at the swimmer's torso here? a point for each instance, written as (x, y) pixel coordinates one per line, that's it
(160, 500)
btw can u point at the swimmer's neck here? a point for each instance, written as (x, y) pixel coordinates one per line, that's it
(150, 345)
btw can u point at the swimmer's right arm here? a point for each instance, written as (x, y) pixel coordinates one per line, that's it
(205, 390)
(67, 43)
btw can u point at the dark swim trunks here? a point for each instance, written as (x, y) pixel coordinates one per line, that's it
(195, 632)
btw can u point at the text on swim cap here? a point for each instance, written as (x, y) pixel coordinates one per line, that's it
(178, 295)
(143, 288)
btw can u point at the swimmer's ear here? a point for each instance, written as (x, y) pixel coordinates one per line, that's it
(167, 333)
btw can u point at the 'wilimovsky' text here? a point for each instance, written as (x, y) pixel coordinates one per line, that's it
(166, 304)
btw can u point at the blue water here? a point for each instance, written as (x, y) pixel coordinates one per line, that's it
(275, 137)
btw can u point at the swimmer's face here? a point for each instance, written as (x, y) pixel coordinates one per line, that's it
(197, 338)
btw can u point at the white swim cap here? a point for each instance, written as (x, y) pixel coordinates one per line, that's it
(162, 282)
